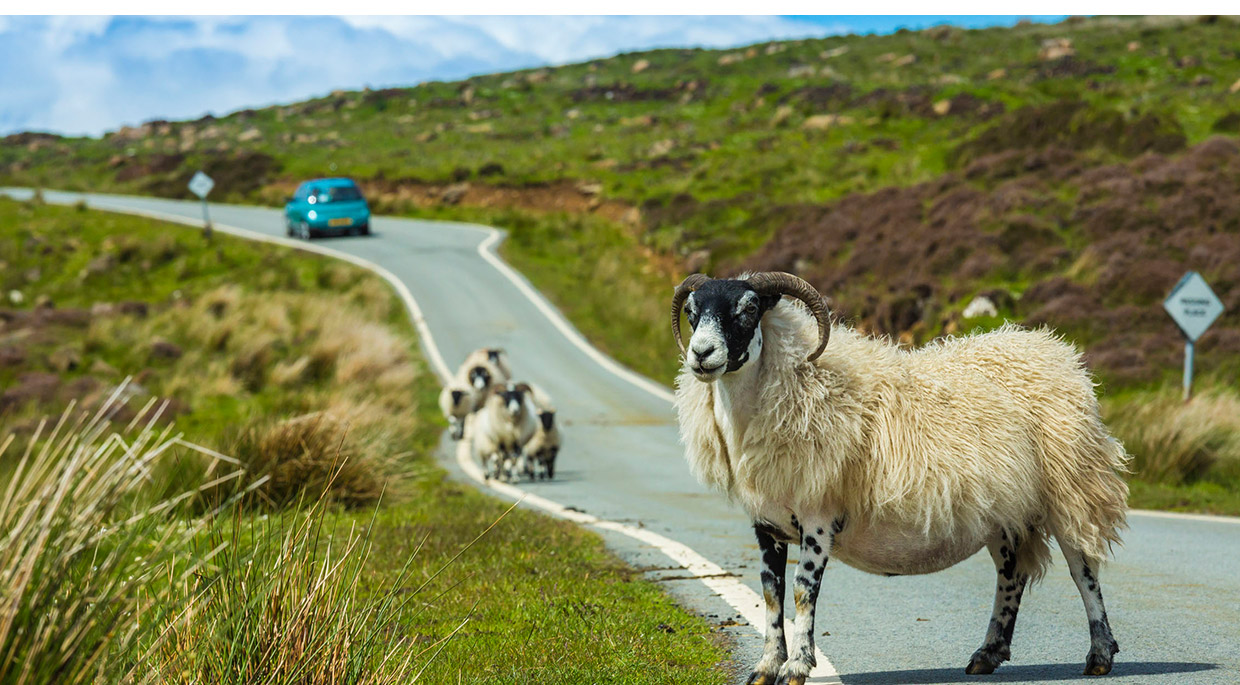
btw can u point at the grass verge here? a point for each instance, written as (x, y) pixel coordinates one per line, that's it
(299, 365)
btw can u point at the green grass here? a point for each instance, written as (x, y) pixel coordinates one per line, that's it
(270, 338)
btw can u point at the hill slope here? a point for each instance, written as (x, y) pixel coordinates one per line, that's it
(1070, 172)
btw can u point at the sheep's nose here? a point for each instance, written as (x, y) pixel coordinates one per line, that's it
(703, 351)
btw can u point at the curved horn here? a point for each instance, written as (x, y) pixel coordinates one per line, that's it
(691, 283)
(778, 282)
(522, 388)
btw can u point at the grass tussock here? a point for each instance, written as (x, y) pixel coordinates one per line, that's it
(289, 607)
(1179, 442)
(80, 544)
(311, 453)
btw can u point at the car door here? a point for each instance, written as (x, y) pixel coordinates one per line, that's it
(292, 209)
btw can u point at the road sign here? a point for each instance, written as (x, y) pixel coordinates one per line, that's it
(1193, 307)
(201, 184)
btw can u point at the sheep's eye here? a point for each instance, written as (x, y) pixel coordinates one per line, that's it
(751, 308)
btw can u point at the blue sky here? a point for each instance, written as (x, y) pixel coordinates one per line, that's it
(87, 75)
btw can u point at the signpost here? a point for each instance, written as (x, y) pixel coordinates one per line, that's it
(1193, 307)
(200, 185)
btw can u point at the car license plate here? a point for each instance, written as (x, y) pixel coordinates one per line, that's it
(346, 221)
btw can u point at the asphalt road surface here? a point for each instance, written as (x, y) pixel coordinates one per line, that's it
(1172, 591)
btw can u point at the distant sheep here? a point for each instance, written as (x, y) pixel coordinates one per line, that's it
(898, 462)
(500, 428)
(483, 368)
(540, 451)
(457, 403)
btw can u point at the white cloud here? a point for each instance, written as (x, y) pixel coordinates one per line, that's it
(86, 75)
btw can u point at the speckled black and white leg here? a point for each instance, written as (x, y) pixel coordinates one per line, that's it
(996, 648)
(774, 563)
(816, 537)
(1102, 645)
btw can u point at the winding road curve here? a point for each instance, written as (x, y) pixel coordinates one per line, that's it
(1173, 590)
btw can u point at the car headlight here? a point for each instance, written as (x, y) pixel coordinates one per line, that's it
(312, 214)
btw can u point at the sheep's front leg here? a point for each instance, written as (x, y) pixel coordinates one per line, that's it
(997, 647)
(816, 538)
(774, 568)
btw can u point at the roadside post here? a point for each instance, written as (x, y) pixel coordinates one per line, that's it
(200, 185)
(1193, 307)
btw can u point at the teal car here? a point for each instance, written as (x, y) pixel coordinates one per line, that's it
(327, 205)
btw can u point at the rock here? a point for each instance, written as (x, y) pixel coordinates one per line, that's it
(833, 52)
(16, 297)
(730, 58)
(781, 115)
(640, 120)
(250, 134)
(453, 194)
(65, 359)
(980, 306)
(801, 71)
(661, 147)
(1056, 48)
(102, 368)
(997, 74)
(479, 128)
(885, 57)
(589, 189)
(163, 349)
(573, 113)
(44, 301)
(820, 122)
(425, 137)
(904, 61)
(1133, 46)
(102, 309)
(1235, 87)
(101, 264)
(641, 65)
(1202, 80)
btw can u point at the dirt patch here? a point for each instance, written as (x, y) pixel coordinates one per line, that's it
(236, 174)
(621, 92)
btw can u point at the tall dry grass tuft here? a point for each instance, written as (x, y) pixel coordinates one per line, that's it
(312, 453)
(1176, 442)
(79, 543)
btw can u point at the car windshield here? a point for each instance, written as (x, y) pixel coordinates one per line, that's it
(338, 194)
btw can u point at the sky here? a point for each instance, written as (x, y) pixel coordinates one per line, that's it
(88, 75)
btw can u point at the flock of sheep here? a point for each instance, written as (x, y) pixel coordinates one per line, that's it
(511, 426)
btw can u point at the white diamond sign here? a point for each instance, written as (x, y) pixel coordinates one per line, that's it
(1193, 305)
(201, 184)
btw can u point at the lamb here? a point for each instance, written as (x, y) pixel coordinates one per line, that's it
(540, 451)
(894, 461)
(500, 428)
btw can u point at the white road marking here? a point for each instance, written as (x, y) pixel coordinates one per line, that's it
(735, 593)
(1181, 516)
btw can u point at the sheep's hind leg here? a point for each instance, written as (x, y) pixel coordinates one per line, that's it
(1010, 586)
(1102, 644)
(816, 539)
(774, 563)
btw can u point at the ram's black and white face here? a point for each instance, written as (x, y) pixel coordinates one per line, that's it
(724, 315)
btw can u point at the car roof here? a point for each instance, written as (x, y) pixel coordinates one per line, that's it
(329, 182)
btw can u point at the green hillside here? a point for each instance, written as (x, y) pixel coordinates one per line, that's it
(1069, 173)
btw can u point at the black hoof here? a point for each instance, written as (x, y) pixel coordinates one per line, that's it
(791, 680)
(1097, 664)
(760, 678)
(985, 660)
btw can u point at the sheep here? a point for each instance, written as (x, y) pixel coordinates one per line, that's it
(542, 448)
(500, 428)
(895, 461)
(457, 402)
(483, 368)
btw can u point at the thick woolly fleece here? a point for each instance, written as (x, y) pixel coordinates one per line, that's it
(958, 440)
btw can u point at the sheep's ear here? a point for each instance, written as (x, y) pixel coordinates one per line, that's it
(768, 302)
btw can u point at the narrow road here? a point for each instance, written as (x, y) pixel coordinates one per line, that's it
(1173, 590)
